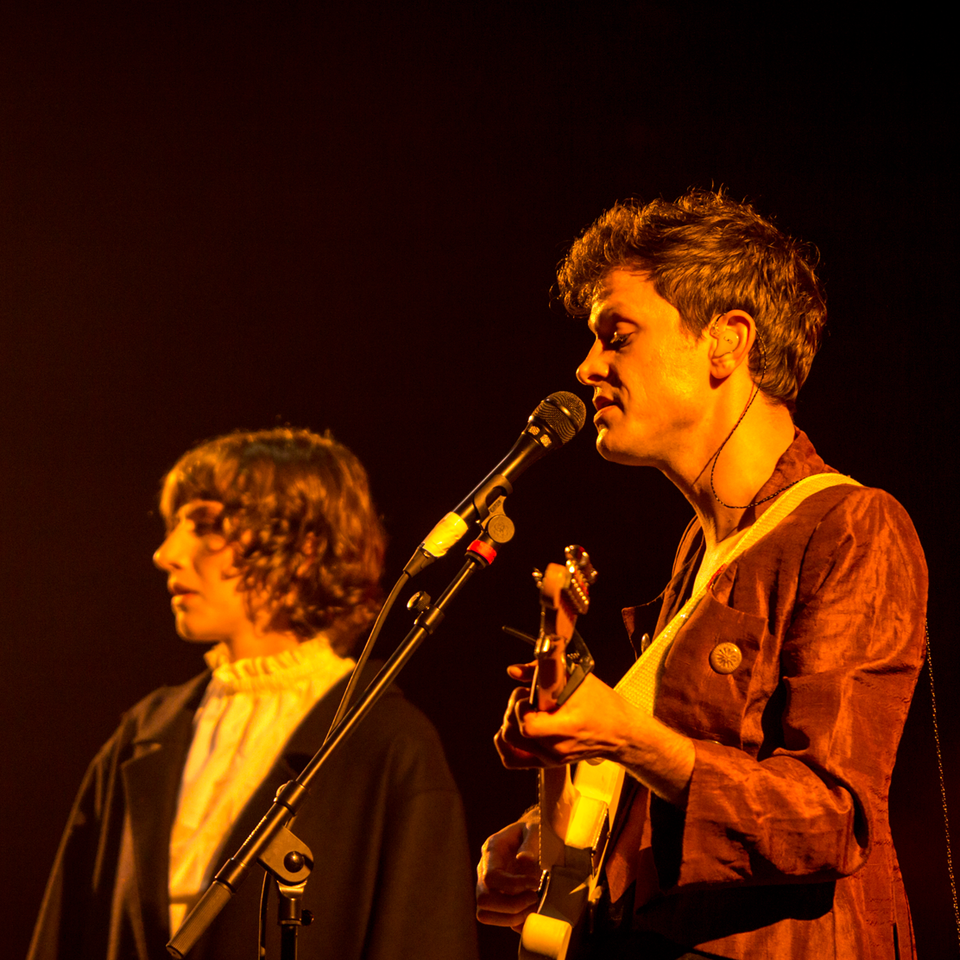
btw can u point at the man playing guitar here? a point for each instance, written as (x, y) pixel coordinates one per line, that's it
(759, 767)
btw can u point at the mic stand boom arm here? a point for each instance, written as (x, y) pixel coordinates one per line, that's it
(271, 844)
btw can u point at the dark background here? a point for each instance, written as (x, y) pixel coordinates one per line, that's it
(239, 215)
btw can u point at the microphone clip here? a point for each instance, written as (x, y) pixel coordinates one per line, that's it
(498, 528)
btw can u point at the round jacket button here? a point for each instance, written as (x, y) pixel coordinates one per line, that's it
(725, 657)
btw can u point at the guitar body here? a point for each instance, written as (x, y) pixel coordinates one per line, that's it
(575, 813)
(571, 889)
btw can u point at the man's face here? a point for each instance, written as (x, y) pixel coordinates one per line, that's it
(206, 600)
(648, 374)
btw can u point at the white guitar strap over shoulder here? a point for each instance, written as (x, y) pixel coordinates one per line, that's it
(639, 684)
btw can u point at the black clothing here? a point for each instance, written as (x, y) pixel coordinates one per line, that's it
(385, 824)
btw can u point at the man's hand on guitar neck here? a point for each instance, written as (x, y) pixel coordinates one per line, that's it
(508, 874)
(595, 722)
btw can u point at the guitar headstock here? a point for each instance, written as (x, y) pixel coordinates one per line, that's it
(568, 582)
(564, 595)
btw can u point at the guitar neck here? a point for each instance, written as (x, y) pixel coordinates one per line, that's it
(563, 595)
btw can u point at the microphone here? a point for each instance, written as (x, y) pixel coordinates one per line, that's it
(555, 422)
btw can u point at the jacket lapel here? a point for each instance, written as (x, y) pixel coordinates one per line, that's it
(151, 779)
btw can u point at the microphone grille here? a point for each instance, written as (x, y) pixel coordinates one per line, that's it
(563, 414)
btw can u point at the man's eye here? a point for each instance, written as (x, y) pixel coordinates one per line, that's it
(617, 340)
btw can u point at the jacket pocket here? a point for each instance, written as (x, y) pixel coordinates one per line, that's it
(710, 687)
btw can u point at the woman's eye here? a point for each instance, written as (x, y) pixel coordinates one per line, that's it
(202, 524)
(617, 340)
(210, 533)
(205, 524)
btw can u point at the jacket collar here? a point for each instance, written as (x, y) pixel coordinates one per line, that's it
(799, 460)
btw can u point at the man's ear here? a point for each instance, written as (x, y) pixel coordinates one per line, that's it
(732, 335)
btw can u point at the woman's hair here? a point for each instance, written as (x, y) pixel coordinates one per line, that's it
(298, 514)
(707, 254)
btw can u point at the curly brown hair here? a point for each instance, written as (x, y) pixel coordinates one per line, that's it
(707, 254)
(298, 514)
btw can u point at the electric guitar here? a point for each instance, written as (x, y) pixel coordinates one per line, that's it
(575, 813)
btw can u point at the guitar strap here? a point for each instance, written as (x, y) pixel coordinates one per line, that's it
(639, 684)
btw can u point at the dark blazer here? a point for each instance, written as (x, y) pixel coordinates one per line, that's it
(385, 824)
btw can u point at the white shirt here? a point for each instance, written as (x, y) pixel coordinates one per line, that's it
(248, 713)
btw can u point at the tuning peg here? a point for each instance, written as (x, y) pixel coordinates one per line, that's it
(579, 557)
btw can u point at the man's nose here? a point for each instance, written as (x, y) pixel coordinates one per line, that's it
(592, 368)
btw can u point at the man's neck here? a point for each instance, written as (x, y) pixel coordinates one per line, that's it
(744, 465)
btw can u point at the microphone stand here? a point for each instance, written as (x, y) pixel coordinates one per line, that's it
(272, 844)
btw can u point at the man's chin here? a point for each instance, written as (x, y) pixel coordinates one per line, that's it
(608, 450)
(617, 454)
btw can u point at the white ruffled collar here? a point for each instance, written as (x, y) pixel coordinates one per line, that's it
(313, 658)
